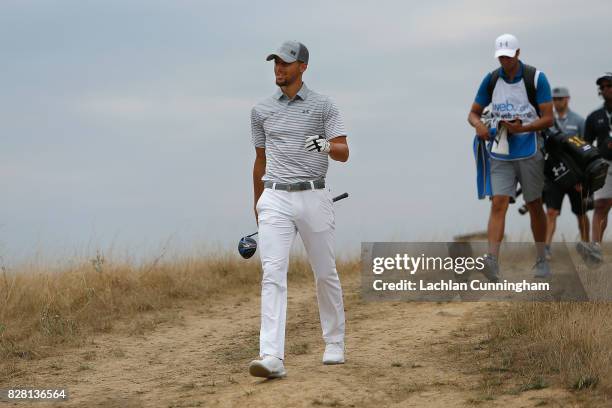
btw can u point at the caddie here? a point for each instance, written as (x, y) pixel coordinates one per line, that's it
(295, 132)
(521, 102)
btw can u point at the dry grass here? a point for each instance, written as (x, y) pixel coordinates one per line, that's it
(41, 310)
(566, 343)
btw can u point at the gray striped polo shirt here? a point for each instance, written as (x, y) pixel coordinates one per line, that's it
(281, 126)
(572, 124)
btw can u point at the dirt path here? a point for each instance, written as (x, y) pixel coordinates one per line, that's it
(397, 355)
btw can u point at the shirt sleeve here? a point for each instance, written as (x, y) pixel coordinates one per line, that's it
(543, 93)
(580, 127)
(333, 121)
(482, 96)
(589, 132)
(257, 131)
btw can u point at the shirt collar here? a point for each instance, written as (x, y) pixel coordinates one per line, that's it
(567, 114)
(518, 75)
(302, 93)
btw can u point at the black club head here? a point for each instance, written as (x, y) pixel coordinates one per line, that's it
(247, 247)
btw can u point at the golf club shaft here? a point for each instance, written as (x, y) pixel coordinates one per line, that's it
(337, 198)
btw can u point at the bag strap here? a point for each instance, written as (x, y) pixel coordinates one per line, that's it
(493, 82)
(529, 74)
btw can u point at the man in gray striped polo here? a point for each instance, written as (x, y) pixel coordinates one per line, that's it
(294, 132)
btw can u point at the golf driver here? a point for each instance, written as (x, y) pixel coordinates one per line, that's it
(247, 245)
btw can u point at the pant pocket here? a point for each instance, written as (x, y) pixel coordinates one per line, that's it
(320, 213)
(260, 200)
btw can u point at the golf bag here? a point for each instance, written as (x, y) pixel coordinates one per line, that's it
(571, 160)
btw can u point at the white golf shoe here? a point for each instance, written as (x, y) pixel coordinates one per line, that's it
(267, 367)
(334, 353)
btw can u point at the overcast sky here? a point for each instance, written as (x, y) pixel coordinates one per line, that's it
(125, 124)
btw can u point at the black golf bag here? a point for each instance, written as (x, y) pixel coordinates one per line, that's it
(571, 160)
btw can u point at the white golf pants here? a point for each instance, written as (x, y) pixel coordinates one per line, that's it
(281, 215)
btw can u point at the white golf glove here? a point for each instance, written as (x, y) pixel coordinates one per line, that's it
(487, 117)
(317, 143)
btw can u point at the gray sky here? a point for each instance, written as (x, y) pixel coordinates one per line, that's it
(126, 123)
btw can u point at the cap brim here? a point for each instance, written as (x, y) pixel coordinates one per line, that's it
(505, 52)
(285, 57)
(605, 78)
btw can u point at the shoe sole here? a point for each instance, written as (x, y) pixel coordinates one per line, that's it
(259, 370)
(597, 259)
(490, 275)
(333, 362)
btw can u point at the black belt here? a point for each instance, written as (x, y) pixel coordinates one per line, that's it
(300, 186)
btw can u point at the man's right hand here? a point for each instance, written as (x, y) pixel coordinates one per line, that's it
(482, 131)
(256, 215)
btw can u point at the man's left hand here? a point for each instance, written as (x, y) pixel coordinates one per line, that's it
(317, 143)
(515, 126)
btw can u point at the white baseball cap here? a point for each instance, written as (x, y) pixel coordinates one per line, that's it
(506, 45)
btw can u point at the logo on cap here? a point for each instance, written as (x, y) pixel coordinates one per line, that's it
(292, 52)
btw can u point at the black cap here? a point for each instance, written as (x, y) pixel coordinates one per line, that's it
(607, 76)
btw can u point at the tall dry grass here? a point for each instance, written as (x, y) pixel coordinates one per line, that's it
(565, 342)
(41, 310)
